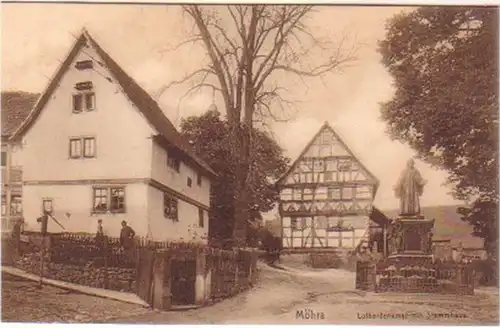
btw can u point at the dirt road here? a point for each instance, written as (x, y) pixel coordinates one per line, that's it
(292, 296)
(299, 296)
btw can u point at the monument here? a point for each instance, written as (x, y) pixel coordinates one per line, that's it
(408, 267)
(410, 233)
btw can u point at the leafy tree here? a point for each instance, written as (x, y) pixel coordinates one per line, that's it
(210, 138)
(250, 49)
(444, 64)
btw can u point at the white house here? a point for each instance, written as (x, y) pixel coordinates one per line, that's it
(97, 146)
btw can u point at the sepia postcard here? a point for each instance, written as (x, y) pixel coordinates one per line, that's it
(237, 163)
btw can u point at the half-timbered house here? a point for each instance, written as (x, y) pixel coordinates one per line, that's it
(326, 196)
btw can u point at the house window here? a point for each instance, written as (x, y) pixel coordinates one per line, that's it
(77, 103)
(100, 199)
(75, 147)
(16, 205)
(199, 179)
(83, 100)
(4, 158)
(84, 64)
(109, 199)
(328, 176)
(89, 101)
(344, 165)
(201, 219)
(298, 223)
(189, 182)
(333, 193)
(47, 206)
(170, 207)
(173, 162)
(88, 147)
(117, 200)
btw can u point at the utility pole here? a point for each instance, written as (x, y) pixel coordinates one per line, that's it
(385, 239)
(44, 221)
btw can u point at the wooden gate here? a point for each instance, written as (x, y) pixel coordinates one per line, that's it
(145, 259)
(365, 275)
(183, 275)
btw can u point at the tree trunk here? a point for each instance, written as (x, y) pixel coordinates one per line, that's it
(241, 206)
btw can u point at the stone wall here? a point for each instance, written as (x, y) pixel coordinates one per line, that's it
(120, 279)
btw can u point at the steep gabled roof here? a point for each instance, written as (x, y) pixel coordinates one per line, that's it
(137, 95)
(327, 126)
(16, 106)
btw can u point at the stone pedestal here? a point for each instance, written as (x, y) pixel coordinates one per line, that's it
(408, 268)
(411, 237)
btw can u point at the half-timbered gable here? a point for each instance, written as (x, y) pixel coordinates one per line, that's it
(326, 195)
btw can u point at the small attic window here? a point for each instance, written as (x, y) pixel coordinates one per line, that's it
(87, 85)
(84, 64)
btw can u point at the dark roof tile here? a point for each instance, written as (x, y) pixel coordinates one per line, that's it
(16, 106)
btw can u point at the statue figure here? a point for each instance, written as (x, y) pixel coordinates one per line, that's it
(409, 188)
(426, 244)
(395, 235)
(398, 241)
(429, 242)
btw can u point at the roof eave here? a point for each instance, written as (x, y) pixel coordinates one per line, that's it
(166, 144)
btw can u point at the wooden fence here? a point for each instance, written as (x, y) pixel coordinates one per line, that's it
(165, 274)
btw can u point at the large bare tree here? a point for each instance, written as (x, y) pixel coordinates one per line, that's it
(250, 49)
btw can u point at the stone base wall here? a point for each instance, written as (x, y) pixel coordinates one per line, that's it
(119, 279)
(326, 260)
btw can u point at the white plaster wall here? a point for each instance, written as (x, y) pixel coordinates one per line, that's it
(178, 180)
(16, 155)
(122, 133)
(163, 229)
(78, 201)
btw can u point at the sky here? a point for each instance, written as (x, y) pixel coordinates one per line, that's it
(141, 38)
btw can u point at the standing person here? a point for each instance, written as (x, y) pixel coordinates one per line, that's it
(99, 238)
(100, 230)
(126, 236)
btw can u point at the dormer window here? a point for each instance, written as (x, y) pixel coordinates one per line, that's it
(84, 64)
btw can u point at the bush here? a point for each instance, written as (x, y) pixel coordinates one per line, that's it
(487, 272)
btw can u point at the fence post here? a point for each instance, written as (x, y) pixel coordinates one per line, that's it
(105, 250)
(161, 294)
(252, 277)
(236, 271)
(373, 278)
